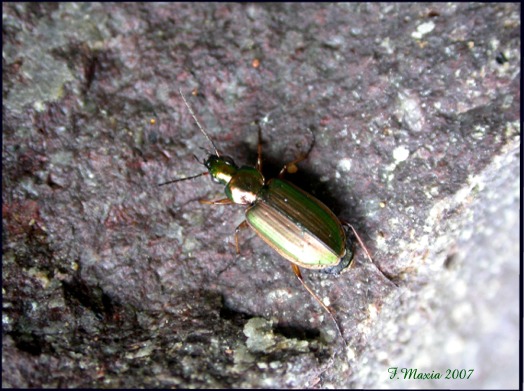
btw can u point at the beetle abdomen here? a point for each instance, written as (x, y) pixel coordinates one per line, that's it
(300, 227)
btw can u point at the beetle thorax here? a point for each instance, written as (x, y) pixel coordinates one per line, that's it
(244, 186)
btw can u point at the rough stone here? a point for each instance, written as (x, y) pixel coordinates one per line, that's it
(111, 281)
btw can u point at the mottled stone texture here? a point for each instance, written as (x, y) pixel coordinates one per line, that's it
(112, 281)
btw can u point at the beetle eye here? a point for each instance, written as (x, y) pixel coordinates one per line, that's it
(228, 160)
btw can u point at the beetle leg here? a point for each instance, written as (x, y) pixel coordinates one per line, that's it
(367, 253)
(224, 201)
(291, 167)
(359, 241)
(259, 150)
(297, 272)
(242, 225)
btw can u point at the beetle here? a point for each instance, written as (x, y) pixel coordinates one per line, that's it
(294, 223)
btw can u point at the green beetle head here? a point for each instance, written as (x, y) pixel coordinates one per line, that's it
(221, 168)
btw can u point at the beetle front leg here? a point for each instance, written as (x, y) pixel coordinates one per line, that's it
(297, 272)
(242, 225)
(224, 201)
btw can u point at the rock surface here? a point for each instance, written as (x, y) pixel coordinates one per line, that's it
(112, 281)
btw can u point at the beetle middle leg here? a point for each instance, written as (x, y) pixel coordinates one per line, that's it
(291, 167)
(242, 225)
(297, 272)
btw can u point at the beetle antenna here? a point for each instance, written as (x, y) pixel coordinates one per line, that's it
(183, 179)
(198, 123)
(204, 149)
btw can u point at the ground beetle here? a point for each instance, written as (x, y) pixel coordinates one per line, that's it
(294, 223)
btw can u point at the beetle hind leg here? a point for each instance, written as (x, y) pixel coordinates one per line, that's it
(367, 254)
(297, 272)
